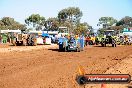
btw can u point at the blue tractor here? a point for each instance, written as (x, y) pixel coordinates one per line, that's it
(74, 45)
(71, 44)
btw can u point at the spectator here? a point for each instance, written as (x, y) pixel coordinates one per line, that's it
(0, 38)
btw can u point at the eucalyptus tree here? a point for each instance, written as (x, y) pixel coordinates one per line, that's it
(35, 20)
(106, 22)
(71, 15)
(9, 23)
(126, 22)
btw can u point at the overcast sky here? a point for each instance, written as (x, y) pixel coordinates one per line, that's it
(92, 9)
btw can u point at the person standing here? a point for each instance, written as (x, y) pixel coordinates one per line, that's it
(0, 38)
(4, 38)
(82, 42)
(87, 40)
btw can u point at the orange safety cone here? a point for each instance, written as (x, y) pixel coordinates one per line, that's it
(103, 85)
(81, 70)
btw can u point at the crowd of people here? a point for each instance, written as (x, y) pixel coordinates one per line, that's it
(124, 40)
(92, 40)
(89, 40)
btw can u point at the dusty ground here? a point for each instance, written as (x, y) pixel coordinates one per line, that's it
(123, 67)
(45, 67)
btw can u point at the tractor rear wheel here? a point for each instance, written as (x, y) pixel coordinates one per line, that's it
(112, 45)
(102, 44)
(115, 45)
(78, 49)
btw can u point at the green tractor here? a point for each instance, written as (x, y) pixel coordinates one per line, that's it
(98, 39)
(107, 38)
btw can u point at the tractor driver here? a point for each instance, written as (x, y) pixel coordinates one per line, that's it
(72, 38)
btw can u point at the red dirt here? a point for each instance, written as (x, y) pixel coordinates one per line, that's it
(48, 68)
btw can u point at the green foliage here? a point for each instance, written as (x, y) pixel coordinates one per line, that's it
(81, 28)
(35, 20)
(72, 13)
(126, 22)
(101, 31)
(11, 24)
(70, 16)
(107, 21)
(54, 23)
(8, 21)
(117, 27)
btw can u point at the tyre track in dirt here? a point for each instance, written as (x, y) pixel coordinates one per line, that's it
(52, 69)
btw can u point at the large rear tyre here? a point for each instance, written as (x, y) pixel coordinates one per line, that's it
(78, 49)
(19, 43)
(112, 45)
(103, 45)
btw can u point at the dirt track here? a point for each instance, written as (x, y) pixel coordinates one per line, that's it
(48, 68)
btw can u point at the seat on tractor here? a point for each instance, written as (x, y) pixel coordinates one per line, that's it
(72, 40)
